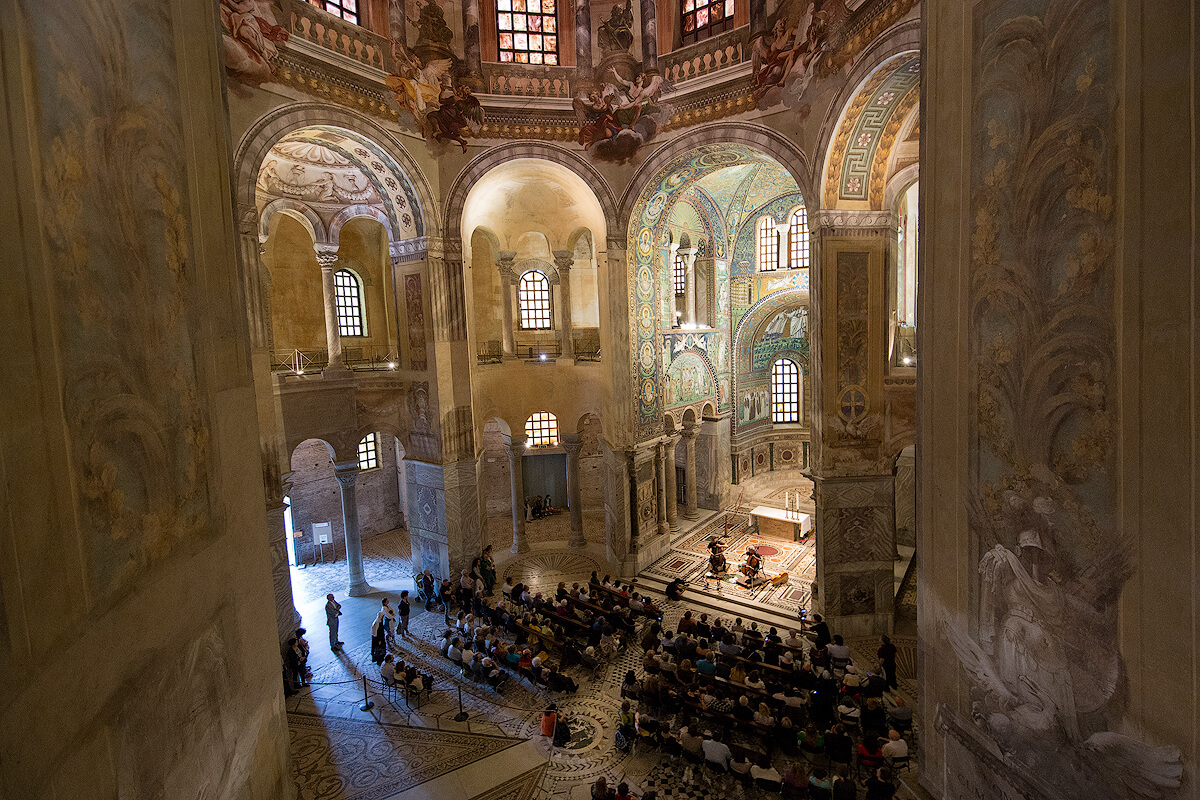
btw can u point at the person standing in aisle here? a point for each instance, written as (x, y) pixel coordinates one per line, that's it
(333, 610)
(405, 609)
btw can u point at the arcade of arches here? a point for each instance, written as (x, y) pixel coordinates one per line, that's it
(899, 293)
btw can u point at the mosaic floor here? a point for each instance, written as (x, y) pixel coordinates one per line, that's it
(387, 557)
(688, 559)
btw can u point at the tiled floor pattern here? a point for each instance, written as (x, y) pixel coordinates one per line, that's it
(688, 559)
(387, 557)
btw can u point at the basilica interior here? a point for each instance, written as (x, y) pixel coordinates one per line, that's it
(544, 400)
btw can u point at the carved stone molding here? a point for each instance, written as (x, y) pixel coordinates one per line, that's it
(856, 223)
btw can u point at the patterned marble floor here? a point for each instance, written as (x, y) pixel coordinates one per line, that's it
(387, 558)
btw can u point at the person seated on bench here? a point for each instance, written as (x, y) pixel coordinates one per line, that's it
(387, 671)
(455, 653)
(763, 771)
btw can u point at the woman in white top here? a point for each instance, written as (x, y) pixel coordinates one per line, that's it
(765, 772)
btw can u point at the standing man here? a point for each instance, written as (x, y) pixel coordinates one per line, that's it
(333, 610)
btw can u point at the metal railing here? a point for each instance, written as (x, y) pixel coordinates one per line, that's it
(361, 358)
(587, 345)
(538, 351)
(490, 352)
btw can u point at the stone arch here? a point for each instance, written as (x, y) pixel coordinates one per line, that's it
(274, 125)
(902, 38)
(486, 161)
(582, 235)
(766, 140)
(708, 411)
(898, 185)
(297, 210)
(356, 212)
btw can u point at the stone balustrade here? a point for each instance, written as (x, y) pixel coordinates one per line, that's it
(705, 57)
(311, 24)
(526, 81)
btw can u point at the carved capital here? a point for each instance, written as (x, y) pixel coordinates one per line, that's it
(327, 257)
(504, 262)
(563, 261)
(690, 431)
(572, 443)
(346, 474)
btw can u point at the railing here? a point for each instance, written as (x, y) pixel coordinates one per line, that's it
(587, 345)
(311, 24)
(704, 57)
(538, 351)
(363, 358)
(527, 81)
(490, 352)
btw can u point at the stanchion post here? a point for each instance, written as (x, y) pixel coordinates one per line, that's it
(367, 705)
(461, 716)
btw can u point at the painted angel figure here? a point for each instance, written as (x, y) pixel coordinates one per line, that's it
(415, 86)
(1047, 666)
(597, 120)
(250, 35)
(458, 110)
(640, 96)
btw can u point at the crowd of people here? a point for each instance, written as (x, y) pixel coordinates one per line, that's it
(805, 714)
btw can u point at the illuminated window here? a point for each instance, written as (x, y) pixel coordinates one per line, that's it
(528, 31)
(798, 238)
(533, 300)
(768, 245)
(368, 452)
(347, 295)
(705, 18)
(679, 273)
(541, 430)
(785, 391)
(346, 9)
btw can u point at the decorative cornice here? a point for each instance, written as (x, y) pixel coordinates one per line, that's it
(855, 223)
(408, 249)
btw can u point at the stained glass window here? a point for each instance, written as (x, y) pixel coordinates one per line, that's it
(533, 301)
(346, 9)
(798, 238)
(527, 31)
(785, 391)
(541, 430)
(768, 245)
(705, 18)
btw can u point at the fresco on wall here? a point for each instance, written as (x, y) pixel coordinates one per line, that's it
(1043, 654)
(811, 41)
(444, 108)
(621, 116)
(250, 36)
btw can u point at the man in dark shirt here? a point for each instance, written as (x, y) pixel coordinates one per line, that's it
(821, 630)
(879, 786)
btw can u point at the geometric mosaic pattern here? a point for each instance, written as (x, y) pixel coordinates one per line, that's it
(334, 758)
(522, 787)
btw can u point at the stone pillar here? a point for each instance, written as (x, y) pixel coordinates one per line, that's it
(504, 262)
(572, 443)
(635, 522)
(347, 475)
(785, 252)
(672, 502)
(397, 28)
(564, 260)
(758, 17)
(660, 481)
(583, 41)
(649, 37)
(515, 447)
(286, 617)
(472, 58)
(689, 285)
(690, 431)
(328, 260)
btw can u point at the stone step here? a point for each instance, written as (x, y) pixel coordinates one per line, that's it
(722, 605)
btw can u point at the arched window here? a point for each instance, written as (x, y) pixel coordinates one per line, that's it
(768, 244)
(541, 430)
(704, 18)
(785, 391)
(368, 452)
(533, 301)
(527, 31)
(346, 9)
(679, 273)
(798, 238)
(347, 296)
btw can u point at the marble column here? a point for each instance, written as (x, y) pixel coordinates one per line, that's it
(689, 285)
(347, 476)
(649, 37)
(473, 60)
(514, 446)
(504, 262)
(328, 260)
(397, 29)
(785, 252)
(564, 260)
(573, 443)
(690, 432)
(583, 41)
(758, 17)
(672, 502)
(660, 485)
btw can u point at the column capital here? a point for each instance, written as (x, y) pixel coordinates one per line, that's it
(346, 473)
(571, 442)
(564, 260)
(327, 257)
(690, 430)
